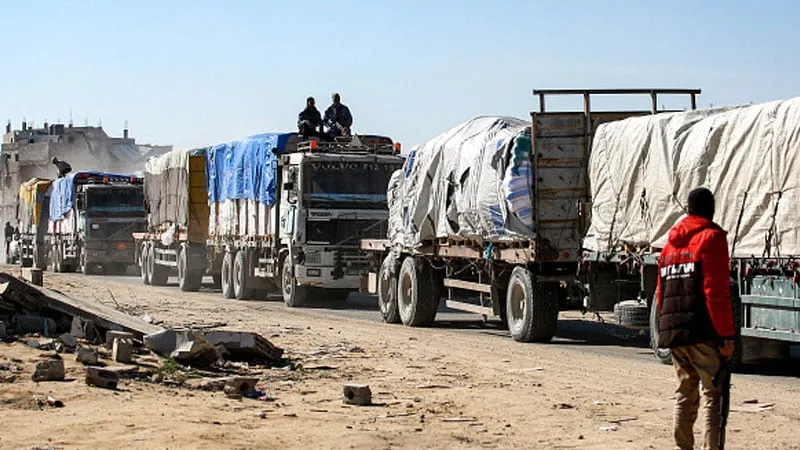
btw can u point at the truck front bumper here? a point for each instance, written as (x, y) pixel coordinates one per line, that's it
(99, 253)
(327, 277)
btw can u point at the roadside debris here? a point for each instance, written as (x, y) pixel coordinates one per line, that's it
(238, 387)
(86, 355)
(357, 394)
(609, 428)
(122, 350)
(49, 369)
(116, 334)
(100, 377)
(203, 349)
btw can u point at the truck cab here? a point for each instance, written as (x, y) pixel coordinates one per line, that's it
(332, 196)
(97, 230)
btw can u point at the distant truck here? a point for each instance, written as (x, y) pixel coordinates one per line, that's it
(33, 215)
(491, 217)
(267, 212)
(92, 218)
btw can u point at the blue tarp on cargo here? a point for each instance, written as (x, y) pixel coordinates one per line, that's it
(62, 192)
(245, 168)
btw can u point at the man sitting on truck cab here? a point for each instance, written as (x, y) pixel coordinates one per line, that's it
(338, 118)
(63, 167)
(695, 315)
(309, 121)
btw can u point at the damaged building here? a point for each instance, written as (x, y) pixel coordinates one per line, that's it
(27, 153)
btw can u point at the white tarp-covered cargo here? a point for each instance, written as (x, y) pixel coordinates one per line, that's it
(474, 181)
(642, 169)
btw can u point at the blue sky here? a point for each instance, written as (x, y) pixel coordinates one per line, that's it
(195, 73)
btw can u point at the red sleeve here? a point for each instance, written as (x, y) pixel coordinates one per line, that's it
(659, 303)
(716, 283)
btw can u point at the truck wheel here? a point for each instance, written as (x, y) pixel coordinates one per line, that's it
(293, 295)
(144, 269)
(226, 280)
(188, 280)
(416, 293)
(158, 273)
(86, 269)
(240, 277)
(662, 354)
(387, 291)
(532, 309)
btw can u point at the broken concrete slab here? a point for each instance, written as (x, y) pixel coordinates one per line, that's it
(113, 334)
(198, 352)
(122, 350)
(164, 342)
(82, 328)
(49, 369)
(86, 355)
(21, 295)
(100, 377)
(244, 345)
(68, 340)
(357, 394)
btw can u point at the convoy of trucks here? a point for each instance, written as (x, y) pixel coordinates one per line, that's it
(83, 221)
(498, 216)
(266, 213)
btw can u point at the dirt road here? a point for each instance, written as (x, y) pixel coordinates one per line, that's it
(435, 388)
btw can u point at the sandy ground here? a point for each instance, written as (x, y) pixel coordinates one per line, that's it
(434, 389)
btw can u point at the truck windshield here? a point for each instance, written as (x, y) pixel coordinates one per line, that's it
(340, 184)
(115, 199)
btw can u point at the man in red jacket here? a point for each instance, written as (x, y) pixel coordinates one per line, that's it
(695, 315)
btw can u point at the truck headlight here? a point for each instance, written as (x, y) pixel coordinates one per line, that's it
(95, 226)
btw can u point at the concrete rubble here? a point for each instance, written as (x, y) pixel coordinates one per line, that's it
(101, 377)
(357, 394)
(86, 355)
(202, 349)
(50, 368)
(122, 350)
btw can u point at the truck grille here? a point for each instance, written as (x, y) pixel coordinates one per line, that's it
(345, 232)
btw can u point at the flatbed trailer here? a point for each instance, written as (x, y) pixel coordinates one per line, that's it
(525, 282)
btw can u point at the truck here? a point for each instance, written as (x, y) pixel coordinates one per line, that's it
(276, 212)
(92, 216)
(491, 217)
(32, 215)
(641, 172)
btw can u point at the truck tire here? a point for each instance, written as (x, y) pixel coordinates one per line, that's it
(144, 269)
(532, 309)
(188, 280)
(85, 269)
(632, 314)
(158, 273)
(294, 296)
(241, 290)
(416, 293)
(387, 291)
(226, 281)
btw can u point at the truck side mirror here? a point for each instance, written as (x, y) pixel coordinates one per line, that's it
(288, 186)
